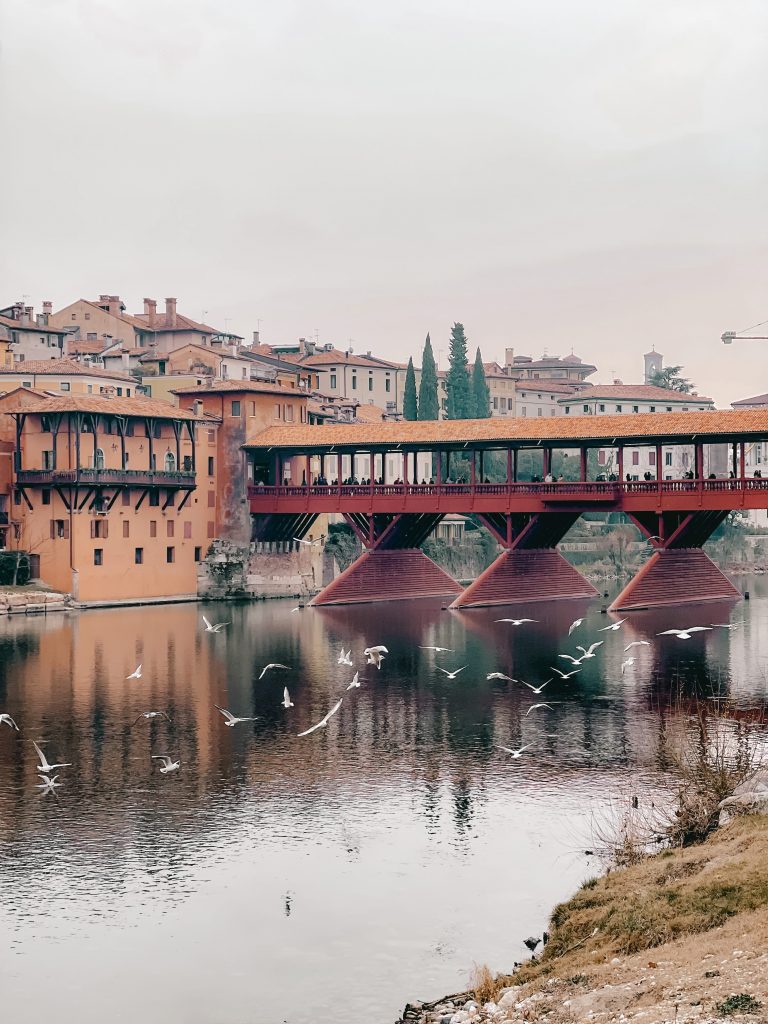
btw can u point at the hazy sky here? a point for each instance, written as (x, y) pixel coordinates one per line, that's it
(554, 174)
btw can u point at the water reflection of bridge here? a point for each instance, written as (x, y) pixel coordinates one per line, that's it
(476, 471)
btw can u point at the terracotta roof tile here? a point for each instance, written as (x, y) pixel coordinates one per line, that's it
(647, 392)
(567, 429)
(138, 406)
(61, 368)
(263, 387)
(335, 356)
(14, 325)
(746, 402)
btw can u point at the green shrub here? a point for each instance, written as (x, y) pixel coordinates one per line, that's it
(8, 568)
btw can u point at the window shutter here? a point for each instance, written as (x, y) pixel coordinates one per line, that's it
(66, 529)
(106, 528)
(93, 528)
(53, 529)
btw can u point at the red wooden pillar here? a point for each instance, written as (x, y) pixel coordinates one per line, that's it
(658, 463)
(405, 468)
(308, 469)
(620, 462)
(698, 458)
(582, 464)
(734, 459)
(371, 472)
(547, 461)
(743, 461)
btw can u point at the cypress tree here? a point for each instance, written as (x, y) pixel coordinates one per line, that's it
(410, 407)
(481, 393)
(429, 407)
(457, 380)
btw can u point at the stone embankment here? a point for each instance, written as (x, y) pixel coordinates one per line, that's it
(32, 602)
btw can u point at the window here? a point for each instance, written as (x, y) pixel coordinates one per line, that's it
(496, 402)
(525, 411)
(64, 385)
(45, 424)
(170, 554)
(370, 383)
(90, 336)
(127, 392)
(635, 408)
(252, 408)
(187, 531)
(667, 458)
(387, 385)
(169, 528)
(585, 408)
(157, 430)
(277, 411)
(87, 316)
(333, 382)
(567, 410)
(153, 528)
(98, 459)
(635, 458)
(46, 496)
(126, 498)
(651, 458)
(26, 383)
(170, 462)
(60, 529)
(618, 408)
(652, 408)
(98, 556)
(138, 556)
(669, 408)
(48, 460)
(212, 436)
(354, 382)
(211, 499)
(100, 528)
(154, 496)
(235, 408)
(210, 465)
(289, 414)
(540, 412)
(126, 528)
(601, 408)
(119, 392)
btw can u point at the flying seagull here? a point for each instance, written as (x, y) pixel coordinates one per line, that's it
(168, 764)
(151, 714)
(451, 675)
(534, 706)
(287, 702)
(345, 658)
(437, 650)
(637, 643)
(209, 628)
(323, 721)
(536, 689)
(500, 675)
(230, 719)
(9, 722)
(627, 664)
(136, 674)
(574, 625)
(355, 684)
(44, 768)
(613, 626)
(684, 634)
(296, 609)
(565, 675)
(592, 648)
(375, 655)
(516, 622)
(515, 753)
(272, 664)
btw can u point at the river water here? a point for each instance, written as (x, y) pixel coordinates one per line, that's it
(330, 877)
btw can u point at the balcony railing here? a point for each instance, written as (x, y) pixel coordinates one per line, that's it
(107, 477)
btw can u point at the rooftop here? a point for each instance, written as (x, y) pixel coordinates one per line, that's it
(233, 386)
(645, 392)
(758, 400)
(61, 368)
(16, 325)
(570, 430)
(20, 400)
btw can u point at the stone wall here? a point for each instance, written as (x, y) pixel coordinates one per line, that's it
(31, 602)
(264, 570)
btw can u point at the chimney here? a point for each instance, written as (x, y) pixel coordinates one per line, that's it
(150, 312)
(25, 314)
(47, 312)
(256, 338)
(509, 357)
(170, 312)
(115, 306)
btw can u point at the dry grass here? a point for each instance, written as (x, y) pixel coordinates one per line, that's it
(679, 892)
(483, 984)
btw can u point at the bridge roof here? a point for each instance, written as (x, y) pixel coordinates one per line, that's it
(565, 431)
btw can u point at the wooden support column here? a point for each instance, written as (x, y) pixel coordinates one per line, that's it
(734, 459)
(482, 466)
(439, 468)
(547, 461)
(192, 428)
(698, 459)
(177, 428)
(95, 429)
(149, 429)
(742, 460)
(448, 465)
(514, 467)
(582, 463)
(472, 474)
(78, 421)
(278, 479)
(405, 468)
(509, 466)
(308, 469)
(658, 463)
(620, 462)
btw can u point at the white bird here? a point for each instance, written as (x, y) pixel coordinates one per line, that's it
(574, 625)
(613, 626)
(500, 675)
(355, 684)
(232, 720)
(515, 753)
(287, 702)
(637, 643)
(210, 628)
(437, 650)
(724, 625)
(49, 783)
(272, 664)
(44, 768)
(345, 658)
(516, 622)
(9, 722)
(592, 648)
(451, 675)
(309, 543)
(296, 609)
(565, 675)
(151, 714)
(627, 664)
(536, 689)
(375, 655)
(136, 674)
(168, 764)
(534, 706)
(684, 634)
(323, 721)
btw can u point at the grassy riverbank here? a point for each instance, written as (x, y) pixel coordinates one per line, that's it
(679, 936)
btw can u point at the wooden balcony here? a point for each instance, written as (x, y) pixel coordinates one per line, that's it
(180, 479)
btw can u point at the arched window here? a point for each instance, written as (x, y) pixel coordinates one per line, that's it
(170, 462)
(98, 459)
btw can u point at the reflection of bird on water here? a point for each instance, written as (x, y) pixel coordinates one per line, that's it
(500, 675)
(637, 643)
(232, 720)
(44, 768)
(627, 664)
(136, 674)
(536, 689)
(9, 722)
(49, 783)
(345, 658)
(169, 765)
(684, 634)
(323, 721)
(451, 675)
(533, 707)
(437, 650)
(375, 655)
(211, 628)
(271, 665)
(147, 715)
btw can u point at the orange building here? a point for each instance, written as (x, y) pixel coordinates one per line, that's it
(115, 497)
(243, 409)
